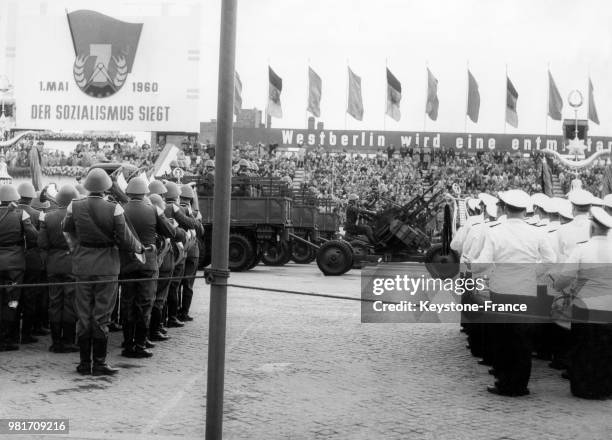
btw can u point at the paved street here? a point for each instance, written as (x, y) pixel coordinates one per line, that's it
(298, 367)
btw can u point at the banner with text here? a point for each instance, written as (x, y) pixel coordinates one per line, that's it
(371, 141)
(89, 71)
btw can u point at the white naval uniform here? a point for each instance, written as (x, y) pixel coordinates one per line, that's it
(569, 234)
(459, 239)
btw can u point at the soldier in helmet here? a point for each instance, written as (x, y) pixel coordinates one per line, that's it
(137, 298)
(352, 214)
(208, 178)
(193, 254)
(16, 229)
(242, 185)
(188, 224)
(96, 228)
(33, 299)
(59, 270)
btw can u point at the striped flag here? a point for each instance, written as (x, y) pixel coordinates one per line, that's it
(555, 102)
(607, 181)
(237, 94)
(592, 109)
(162, 164)
(275, 87)
(394, 96)
(511, 99)
(431, 107)
(355, 103)
(314, 93)
(473, 106)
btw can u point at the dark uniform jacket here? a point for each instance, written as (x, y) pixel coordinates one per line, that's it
(34, 260)
(147, 223)
(193, 248)
(100, 229)
(186, 223)
(16, 231)
(352, 213)
(52, 240)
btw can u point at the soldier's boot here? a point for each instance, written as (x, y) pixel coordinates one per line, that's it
(68, 334)
(56, 338)
(155, 333)
(5, 343)
(26, 332)
(100, 367)
(140, 339)
(128, 339)
(84, 366)
(186, 304)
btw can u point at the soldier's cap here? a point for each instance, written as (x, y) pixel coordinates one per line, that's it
(157, 187)
(486, 198)
(187, 192)
(157, 200)
(353, 197)
(209, 164)
(8, 193)
(597, 201)
(172, 190)
(602, 217)
(607, 201)
(550, 206)
(580, 197)
(243, 163)
(97, 181)
(137, 186)
(472, 203)
(26, 189)
(539, 199)
(516, 198)
(564, 208)
(491, 209)
(65, 195)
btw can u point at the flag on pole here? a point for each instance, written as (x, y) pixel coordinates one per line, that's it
(394, 96)
(237, 94)
(607, 181)
(274, 108)
(355, 103)
(511, 98)
(473, 105)
(547, 182)
(314, 93)
(431, 107)
(555, 102)
(592, 109)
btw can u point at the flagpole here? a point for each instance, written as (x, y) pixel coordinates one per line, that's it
(426, 95)
(385, 107)
(506, 102)
(347, 93)
(467, 97)
(548, 100)
(308, 96)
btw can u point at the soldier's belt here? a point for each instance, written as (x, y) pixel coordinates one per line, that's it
(97, 245)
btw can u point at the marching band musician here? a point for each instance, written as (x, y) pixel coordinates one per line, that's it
(513, 247)
(137, 298)
(588, 268)
(95, 229)
(16, 229)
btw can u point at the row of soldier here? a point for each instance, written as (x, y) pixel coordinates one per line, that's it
(88, 246)
(553, 255)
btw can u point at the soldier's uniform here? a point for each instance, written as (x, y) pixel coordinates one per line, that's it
(578, 229)
(137, 298)
(192, 257)
(588, 268)
(188, 224)
(52, 241)
(99, 228)
(32, 298)
(16, 231)
(514, 247)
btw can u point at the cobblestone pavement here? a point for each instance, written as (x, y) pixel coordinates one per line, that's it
(298, 367)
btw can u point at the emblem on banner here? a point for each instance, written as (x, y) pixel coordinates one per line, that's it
(105, 49)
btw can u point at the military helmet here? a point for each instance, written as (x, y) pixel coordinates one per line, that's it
(243, 163)
(157, 200)
(65, 195)
(8, 193)
(187, 192)
(353, 197)
(137, 186)
(157, 187)
(97, 181)
(26, 189)
(209, 164)
(172, 190)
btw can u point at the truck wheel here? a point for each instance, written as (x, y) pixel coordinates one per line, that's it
(440, 264)
(301, 253)
(241, 252)
(334, 258)
(256, 259)
(278, 255)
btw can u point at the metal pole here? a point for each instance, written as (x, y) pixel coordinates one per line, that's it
(221, 223)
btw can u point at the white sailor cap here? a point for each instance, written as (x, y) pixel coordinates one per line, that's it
(472, 203)
(607, 201)
(580, 197)
(597, 201)
(486, 198)
(550, 206)
(601, 217)
(516, 198)
(564, 208)
(492, 210)
(539, 199)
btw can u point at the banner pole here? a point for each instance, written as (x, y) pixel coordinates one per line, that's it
(467, 97)
(547, 100)
(426, 95)
(506, 102)
(221, 222)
